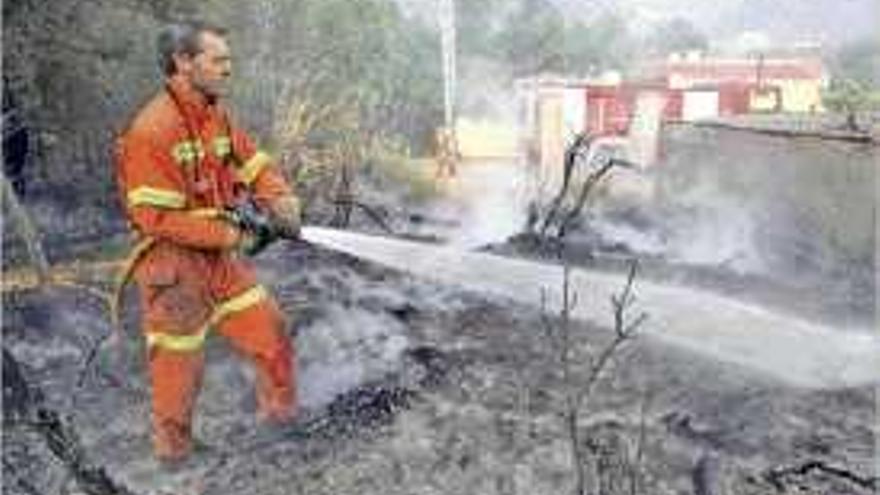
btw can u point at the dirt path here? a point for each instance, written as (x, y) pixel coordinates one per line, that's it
(797, 352)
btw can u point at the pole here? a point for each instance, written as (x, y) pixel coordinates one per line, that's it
(447, 141)
(448, 46)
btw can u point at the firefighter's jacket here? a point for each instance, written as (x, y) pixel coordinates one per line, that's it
(180, 161)
(176, 159)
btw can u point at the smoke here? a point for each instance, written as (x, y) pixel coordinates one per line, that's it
(713, 229)
(694, 223)
(798, 211)
(345, 348)
(488, 200)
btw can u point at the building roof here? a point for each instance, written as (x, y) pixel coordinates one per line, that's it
(719, 70)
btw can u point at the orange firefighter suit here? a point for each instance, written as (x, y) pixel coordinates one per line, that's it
(179, 163)
(447, 152)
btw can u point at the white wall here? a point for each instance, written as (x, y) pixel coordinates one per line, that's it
(699, 104)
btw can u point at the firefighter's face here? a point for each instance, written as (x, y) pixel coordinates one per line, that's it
(210, 69)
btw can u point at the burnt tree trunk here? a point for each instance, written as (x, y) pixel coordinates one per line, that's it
(24, 406)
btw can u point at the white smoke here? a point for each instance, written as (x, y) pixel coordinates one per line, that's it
(491, 199)
(344, 349)
(717, 232)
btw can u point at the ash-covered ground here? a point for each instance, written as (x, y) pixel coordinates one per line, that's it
(411, 387)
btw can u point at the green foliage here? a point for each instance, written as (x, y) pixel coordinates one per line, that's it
(858, 61)
(414, 177)
(677, 35)
(602, 44)
(480, 24)
(357, 53)
(331, 80)
(849, 96)
(533, 39)
(534, 36)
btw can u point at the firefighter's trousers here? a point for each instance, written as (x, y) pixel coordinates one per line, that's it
(185, 294)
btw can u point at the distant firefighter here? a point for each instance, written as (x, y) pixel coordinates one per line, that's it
(447, 153)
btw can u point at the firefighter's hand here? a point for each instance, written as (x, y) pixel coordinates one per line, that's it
(285, 215)
(253, 243)
(255, 229)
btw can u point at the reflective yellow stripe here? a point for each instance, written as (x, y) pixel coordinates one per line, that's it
(151, 196)
(187, 152)
(238, 303)
(222, 146)
(206, 212)
(191, 343)
(252, 168)
(179, 343)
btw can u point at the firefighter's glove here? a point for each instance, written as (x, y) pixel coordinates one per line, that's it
(251, 245)
(285, 215)
(256, 228)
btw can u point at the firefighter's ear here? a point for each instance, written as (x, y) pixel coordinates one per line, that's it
(183, 63)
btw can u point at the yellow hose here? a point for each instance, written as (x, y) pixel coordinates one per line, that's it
(134, 258)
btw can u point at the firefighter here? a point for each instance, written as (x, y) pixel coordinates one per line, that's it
(447, 152)
(182, 167)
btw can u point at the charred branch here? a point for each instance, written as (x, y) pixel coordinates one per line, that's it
(371, 212)
(60, 437)
(782, 477)
(579, 153)
(577, 387)
(576, 150)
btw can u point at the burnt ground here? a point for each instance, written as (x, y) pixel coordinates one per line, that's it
(411, 387)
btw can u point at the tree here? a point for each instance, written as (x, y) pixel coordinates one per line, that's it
(855, 83)
(355, 82)
(532, 39)
(858, 61)
(677, 35)
(479, 24)
(604, 43)
(848, 97)
(363, 74)
(535, 36)
(580, 372)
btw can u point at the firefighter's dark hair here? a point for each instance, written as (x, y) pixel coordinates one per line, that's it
(182, 38)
